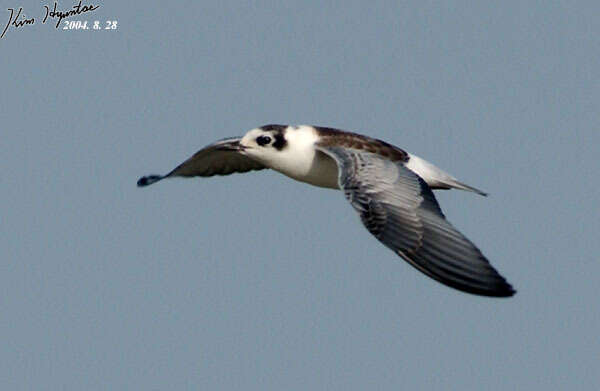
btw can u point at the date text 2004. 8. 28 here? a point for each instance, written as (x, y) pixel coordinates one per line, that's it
(83, 25)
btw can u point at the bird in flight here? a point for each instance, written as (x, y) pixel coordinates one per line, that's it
(390, 189)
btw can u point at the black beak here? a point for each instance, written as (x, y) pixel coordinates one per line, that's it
(233, 146)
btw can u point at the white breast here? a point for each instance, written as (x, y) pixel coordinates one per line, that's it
(301, 161)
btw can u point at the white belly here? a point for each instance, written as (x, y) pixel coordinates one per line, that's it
(320, 171)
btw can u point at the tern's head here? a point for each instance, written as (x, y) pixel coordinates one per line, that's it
(288, 149)
(265, 142)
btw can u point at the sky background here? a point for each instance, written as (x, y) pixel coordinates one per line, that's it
(258, 282)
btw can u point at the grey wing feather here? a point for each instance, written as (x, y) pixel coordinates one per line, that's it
(400, 210)
(211, 160)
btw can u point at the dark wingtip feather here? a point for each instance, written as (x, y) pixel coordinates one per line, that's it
(504, 291)
(148, 180)
(501, 290)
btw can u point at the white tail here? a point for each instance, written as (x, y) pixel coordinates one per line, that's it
(435, 177)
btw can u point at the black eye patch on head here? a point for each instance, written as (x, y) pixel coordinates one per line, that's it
(279, 141)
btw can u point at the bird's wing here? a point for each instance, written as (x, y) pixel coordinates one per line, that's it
(400, 210)
(219, 158)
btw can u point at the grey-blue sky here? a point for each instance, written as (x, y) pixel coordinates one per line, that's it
(258, 282)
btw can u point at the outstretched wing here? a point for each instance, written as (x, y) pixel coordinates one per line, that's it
(400, 210)
(220, 158)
